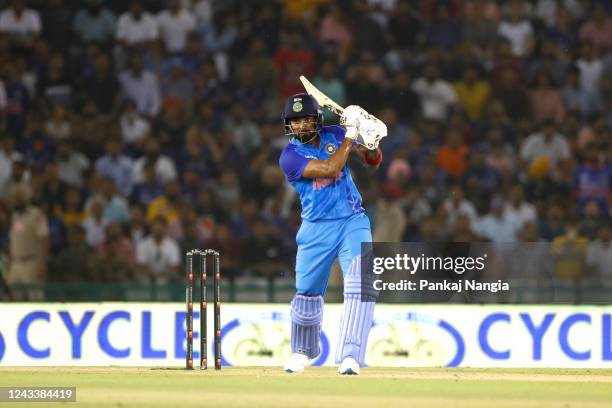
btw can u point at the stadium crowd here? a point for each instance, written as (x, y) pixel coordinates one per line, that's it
(133, 131)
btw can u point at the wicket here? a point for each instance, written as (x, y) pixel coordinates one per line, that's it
(202, 256)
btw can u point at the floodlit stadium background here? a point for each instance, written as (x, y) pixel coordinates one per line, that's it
(116, 127)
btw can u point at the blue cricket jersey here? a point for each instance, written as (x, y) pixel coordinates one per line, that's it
(321, 198)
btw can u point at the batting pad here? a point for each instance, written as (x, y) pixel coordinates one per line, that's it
(306, 317)
(357, 314)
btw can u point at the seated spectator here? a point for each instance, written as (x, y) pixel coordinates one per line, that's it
(599, 254)
(472, 94)
(500, 155)
(456, 204)
(165, 170)
(518, 209)
(570, 251)
(72, 211)
(590, 65)
(546, 143)
(263, 252)
(22, 25)
(593, 181)
(452, 157)
(150, 188)
(94, 23)
(512, 94)
(497, 226)
(101, 84)
(437, 95)
(74, 263)
(95, 224)
(546, 100)
(598, 29)
(175, 23)
(517, 29)
(137, 228)
(167, 206)
(294, 59)
(116, 166)
(116, 208)
(591, 219)
(117, 256)
(136, 27)
(58, 126)
(224, 242)
(135, 128)
(55, 85)
(29, 242)
(158, 256)
(141, 86)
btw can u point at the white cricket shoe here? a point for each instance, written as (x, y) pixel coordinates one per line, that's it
(349, 366)
(296, 363)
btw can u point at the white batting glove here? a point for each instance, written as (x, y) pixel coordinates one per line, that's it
(350, 120)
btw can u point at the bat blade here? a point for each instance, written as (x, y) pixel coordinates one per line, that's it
(324, 100)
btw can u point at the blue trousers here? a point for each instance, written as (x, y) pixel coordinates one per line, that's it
(320, 242)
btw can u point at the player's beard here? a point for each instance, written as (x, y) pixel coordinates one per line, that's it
(306, 136)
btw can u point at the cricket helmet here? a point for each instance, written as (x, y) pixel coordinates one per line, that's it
(299, 106)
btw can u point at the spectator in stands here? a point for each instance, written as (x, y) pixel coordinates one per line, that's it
(165, 169)
(22, 25)
(497, 226)
(598, 29)
(141, 86)
(29, 242)
(599, 254)
(136, 27)
(134, 127)
(472, 94)
(517, 29)
(94, 23)
(116, 166)
(175, 23)
(158, 256)
(546, 100)
(116, 208)
(518, 209)
(95, 224)
(150, 188)
(570, 251)
(453, 156)
(263, 252)
(437, 95)
(546, 143)
(101, 85)
(456, 204)
(593, 181)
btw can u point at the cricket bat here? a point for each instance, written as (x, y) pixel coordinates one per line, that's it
(324, 100)
(375, 125)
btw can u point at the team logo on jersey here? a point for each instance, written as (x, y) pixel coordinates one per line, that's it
(297, 106)
(330, 148)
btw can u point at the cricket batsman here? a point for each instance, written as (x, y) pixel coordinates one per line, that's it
(333, 225)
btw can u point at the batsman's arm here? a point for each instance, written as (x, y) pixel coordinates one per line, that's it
(331, 166)
(372, 158)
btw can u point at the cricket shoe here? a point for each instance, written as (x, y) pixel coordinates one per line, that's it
(296, 363)
(349, 366)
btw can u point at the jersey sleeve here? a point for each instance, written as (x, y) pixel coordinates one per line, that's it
(337, 131)
(292, 164)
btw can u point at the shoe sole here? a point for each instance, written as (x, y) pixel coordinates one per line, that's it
(349, 372)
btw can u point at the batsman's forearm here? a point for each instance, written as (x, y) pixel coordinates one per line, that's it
(338, 159)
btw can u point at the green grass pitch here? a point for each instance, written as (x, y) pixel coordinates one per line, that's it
(320, 387)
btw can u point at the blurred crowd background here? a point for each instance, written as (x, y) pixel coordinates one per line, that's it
(132, 131)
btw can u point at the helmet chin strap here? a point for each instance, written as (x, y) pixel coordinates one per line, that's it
(299, 136)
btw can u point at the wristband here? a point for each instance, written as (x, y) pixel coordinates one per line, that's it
(373, 162)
